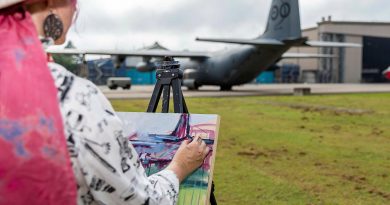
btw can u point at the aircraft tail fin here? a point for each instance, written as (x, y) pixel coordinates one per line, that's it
(283, 28)
(283, 21)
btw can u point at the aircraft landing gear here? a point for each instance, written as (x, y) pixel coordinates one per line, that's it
(193, 88)
(226, 87)
(191, 84)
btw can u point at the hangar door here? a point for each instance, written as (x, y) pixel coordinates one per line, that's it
(376, 58)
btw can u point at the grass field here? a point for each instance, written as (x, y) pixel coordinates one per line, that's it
(298, 150)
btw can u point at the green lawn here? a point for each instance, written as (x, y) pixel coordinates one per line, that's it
(298, 150)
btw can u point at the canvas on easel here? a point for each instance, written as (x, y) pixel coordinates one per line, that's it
(157, 136)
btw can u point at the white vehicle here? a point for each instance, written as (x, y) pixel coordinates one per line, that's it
(115, 82)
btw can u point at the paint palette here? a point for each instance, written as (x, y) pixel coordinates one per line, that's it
(157, 136)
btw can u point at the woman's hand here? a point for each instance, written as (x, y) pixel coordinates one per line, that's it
(188, 157)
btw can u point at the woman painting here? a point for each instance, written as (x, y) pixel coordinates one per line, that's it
(60, 140)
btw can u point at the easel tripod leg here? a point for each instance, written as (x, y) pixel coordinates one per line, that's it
(177, 96)
(155, 97)
(166, 98)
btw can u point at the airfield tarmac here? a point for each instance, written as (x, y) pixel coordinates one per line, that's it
(144, 92)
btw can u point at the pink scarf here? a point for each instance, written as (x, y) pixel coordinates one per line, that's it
(34, 162)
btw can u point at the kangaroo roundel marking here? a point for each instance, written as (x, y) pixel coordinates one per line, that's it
(274, 12)
(285, 10)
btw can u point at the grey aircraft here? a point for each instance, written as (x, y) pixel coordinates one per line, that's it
(238, 65)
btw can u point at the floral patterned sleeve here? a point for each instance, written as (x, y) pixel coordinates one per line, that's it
(106, 165)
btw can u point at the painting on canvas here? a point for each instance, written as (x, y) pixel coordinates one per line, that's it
(157, 136)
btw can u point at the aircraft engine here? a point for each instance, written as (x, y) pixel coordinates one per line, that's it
(189, 79)
(118, 60)
(145, 66)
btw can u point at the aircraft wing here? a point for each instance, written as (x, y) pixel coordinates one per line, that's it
(143, 53)
(331, 44)
(306, 55)
(255, 42)
(274, 42)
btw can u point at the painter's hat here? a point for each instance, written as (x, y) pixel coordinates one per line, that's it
(7, 3)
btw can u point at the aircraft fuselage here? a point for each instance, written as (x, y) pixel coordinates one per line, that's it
(236, 66)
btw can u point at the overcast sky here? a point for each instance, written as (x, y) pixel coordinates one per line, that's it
(131, 24)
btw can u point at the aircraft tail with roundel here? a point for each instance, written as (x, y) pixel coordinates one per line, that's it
(283, 27)
(283, 21)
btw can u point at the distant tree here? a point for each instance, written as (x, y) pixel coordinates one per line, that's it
(70, 45)
(70, 62)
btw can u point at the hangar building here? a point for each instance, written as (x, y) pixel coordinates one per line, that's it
(352, 65)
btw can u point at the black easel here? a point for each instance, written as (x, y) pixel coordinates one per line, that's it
(169, 75)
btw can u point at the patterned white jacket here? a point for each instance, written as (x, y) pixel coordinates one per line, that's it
(106, 166)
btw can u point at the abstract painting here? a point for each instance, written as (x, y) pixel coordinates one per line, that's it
(157, 136)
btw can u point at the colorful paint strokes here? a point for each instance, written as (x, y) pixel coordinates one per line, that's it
(157, 136)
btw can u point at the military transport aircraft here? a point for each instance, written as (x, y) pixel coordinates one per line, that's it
(241, 64)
